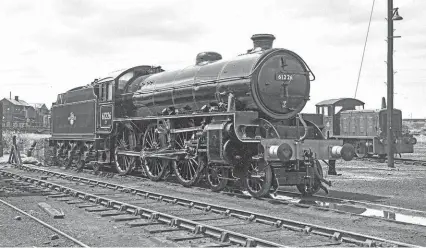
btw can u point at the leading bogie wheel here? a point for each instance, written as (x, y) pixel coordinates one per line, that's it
(155, 168)
(258, 179)
(188, 170)
(217, 177)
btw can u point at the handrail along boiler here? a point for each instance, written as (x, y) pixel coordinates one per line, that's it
(235, 120)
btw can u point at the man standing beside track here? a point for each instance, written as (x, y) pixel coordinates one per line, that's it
(332, 168)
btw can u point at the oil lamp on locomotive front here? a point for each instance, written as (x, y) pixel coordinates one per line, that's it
(248, 109)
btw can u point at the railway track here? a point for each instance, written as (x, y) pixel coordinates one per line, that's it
(226, 224)
(396, 160)
(356, 207)
(321, 198)
(59, 232)
(363, 209)
(340, 205)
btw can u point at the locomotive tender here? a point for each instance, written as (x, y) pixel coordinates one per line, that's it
(235, 120)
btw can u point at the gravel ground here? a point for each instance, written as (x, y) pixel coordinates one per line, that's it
(402, 186)
(419, 150)
(376, 227)
(89, 228)
(26, 232)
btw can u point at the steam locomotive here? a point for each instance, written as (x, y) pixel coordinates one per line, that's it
(235, 120)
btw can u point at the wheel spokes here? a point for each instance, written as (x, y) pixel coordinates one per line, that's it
(154, 166)
(213, 176)
(255, 180)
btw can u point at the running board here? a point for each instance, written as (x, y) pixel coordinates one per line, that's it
(172, 155)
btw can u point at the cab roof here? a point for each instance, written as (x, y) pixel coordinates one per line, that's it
(340, 102)
(136, 69)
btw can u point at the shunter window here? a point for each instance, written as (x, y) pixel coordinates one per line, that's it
(328, 111)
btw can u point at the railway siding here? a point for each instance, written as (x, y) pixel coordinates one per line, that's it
(303, 227)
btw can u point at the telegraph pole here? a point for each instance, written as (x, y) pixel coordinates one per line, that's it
(393, 15)
(390, 85)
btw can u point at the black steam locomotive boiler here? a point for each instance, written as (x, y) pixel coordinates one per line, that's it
(235, 120)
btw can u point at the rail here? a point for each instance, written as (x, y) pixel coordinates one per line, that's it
(76, 241)
(344, 236)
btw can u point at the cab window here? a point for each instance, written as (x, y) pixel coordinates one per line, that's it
(328, 111)
(104, 91)
(122, 81)
(337, 109)
(109, 97)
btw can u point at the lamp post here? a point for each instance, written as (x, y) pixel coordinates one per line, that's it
(392, 16)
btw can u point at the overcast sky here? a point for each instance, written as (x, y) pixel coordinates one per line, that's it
(48, 47)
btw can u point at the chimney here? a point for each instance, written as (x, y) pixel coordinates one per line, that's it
(17, 98)
(10, 95)
(264, 41)
(383, 103)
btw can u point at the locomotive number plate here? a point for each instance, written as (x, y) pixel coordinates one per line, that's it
(283, 77)
(106, 116)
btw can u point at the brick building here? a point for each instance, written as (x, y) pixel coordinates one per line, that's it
(42, 115)
(18, 113)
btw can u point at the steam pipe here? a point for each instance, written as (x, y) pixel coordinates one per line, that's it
(305, 126)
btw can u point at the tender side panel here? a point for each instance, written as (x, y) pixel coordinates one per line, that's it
(74, 120)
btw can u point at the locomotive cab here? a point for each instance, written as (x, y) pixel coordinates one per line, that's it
(104, 90)
(331, 111)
